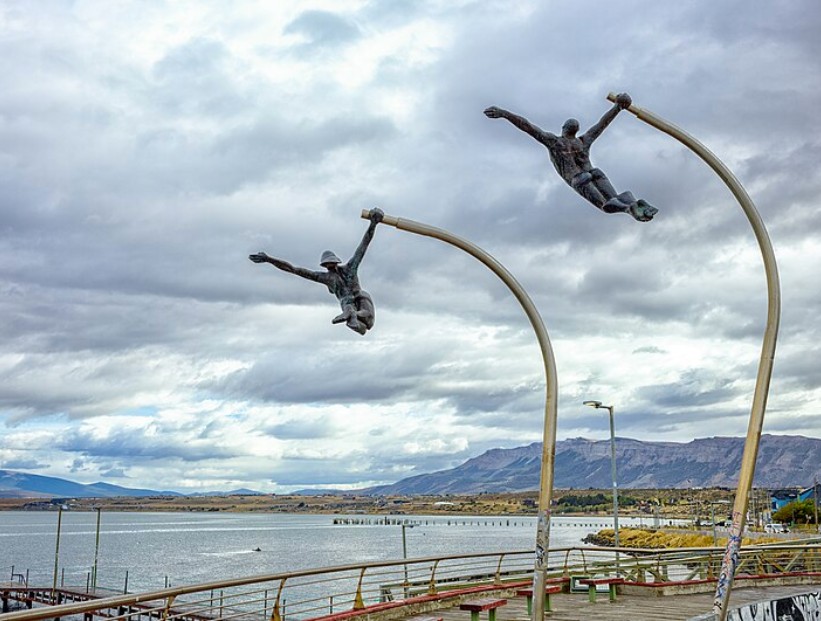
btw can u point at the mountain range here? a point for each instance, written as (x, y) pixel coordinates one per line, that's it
(783, 461)
(22, 485)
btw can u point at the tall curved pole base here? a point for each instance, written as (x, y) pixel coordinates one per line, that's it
(729, 562)
(551, 400)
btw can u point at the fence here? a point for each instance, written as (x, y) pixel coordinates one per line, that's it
(348, 590)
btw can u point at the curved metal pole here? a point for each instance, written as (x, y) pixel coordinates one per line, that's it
(729, 562)
(551, 400)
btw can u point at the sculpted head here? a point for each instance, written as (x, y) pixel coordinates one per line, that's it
(329, 260)
(570, 127)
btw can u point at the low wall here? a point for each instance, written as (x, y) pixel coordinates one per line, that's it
(800, 607)
(420, 604)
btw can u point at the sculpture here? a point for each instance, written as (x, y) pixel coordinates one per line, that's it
(571, 158)
(341, 279)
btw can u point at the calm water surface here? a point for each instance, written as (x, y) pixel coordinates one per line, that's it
(188, 548)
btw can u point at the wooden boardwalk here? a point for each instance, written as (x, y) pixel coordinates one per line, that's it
(576, 607)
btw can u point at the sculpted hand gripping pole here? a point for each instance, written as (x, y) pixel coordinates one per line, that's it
(341, 279)
(571, 158)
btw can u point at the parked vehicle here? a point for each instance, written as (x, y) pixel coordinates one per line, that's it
(775, 527)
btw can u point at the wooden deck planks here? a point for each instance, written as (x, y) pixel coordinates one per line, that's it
(576, 607)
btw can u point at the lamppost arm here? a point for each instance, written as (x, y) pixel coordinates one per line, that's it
(745, 480)
(551, 383)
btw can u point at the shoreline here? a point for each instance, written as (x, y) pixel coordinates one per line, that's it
(646, 504)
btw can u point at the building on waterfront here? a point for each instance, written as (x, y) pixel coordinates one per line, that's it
(781, 497)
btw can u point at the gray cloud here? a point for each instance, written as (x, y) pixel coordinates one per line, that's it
(23, 464)
(323, 29)
(139, 446)
(115, 473)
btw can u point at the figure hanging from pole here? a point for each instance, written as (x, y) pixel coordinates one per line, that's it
(571, 158)
(341, 279)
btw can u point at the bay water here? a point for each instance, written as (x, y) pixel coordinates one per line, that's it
(160, 549)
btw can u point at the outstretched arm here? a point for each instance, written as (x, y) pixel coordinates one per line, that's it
(522, 123)
(622, 101)
(376, 217)
(261, 257)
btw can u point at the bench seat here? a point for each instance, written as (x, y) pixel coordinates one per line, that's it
(475, 606)
(611, 583)
(549, 590)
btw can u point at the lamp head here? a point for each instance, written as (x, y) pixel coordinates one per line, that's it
(593, 404)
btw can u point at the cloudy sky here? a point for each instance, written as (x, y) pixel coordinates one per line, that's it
(147, 148)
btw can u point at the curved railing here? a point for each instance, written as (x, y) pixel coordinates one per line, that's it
(393, 587)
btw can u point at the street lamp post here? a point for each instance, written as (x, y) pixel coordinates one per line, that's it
(721, 503)
(405, 557)
(96, 552)
(551, 390)
(609, 408)
(57, 554)
(713, 520)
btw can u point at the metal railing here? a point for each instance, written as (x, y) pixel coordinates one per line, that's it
(383, 586)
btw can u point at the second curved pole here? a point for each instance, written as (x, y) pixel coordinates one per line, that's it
(551, 399)
(729, 562)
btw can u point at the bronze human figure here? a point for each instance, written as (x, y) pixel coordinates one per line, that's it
(341, 279)
(571, 157)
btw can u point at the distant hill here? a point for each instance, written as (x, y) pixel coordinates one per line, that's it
(21, 485)
(234, 492)
(783, 461)
(322, 492)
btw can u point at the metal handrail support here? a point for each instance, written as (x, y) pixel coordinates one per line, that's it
(796, 558)
(358, 603)
(497, 579)
(432, 586)
(275, 615)
(167, 610)
(565, 570)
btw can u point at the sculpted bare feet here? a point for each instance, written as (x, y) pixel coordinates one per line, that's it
(341, 318)
(642, 211)
(357, 326)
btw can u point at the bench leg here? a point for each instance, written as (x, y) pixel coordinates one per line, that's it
(591, 594)
(529, 605)
(548, 607)
(474, 615)
(612, 592)
(491, 614)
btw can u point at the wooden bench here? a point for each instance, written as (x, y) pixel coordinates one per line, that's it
(591, 587)
(549, 590)
(475, 606)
